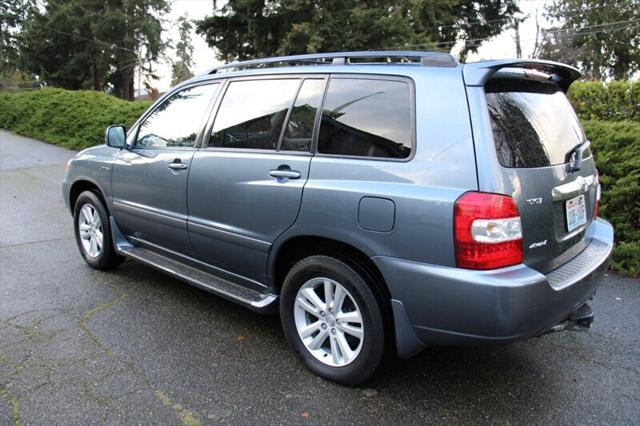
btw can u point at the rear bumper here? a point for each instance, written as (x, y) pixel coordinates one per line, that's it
(435, 305)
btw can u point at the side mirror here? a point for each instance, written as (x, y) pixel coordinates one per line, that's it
(115, 136)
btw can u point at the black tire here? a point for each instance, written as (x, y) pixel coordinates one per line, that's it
(108, 258)
(374, 344)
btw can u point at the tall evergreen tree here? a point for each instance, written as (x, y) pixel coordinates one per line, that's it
(601, 38)
(181, 69)
(135, 27)
(244, 29)
(57, 44)
(92, 43)
(13, 13)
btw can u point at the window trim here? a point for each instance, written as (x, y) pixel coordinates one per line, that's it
(412, 116)
(316, 120)
(162, 100)
(285, 122)
(288, 76)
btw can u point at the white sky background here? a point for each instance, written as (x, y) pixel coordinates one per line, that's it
(500, 46)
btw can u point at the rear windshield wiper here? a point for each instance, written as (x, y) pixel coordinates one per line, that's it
(576, 154)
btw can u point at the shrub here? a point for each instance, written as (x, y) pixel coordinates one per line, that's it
(617, 100)
(616, 147)
(73, 119)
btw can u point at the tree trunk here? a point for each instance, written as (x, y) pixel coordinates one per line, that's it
(126, 94)
(132, 92)
(516, 26)
(596, 74)
(126, 84)
(97, 78)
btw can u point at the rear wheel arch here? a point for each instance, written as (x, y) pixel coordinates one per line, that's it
(297, 248)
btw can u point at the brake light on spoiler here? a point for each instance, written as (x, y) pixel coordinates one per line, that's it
(488, 231)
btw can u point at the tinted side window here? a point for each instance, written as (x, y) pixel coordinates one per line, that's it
(176, 122)
(297, 136)
(366, 117)
(252, 113)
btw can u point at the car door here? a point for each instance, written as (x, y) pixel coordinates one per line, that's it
(149, 180)
(245, 185)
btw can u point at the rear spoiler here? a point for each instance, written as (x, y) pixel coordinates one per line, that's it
(477, 73)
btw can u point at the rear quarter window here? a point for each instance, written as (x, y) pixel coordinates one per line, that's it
(366, 118)
(533, 123)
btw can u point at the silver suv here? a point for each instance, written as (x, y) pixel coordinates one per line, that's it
(381, 201)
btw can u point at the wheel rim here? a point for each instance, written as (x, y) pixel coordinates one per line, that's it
(329, 322)
(90, 229)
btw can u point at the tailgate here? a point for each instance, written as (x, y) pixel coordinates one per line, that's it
(531, 146)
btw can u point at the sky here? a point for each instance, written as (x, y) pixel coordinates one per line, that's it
(500, 46)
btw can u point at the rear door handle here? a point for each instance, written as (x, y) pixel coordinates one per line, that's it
(285, 173)
(177, 165)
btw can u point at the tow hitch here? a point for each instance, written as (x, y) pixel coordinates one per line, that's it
(581, 319)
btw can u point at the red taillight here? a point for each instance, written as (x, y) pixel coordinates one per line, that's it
(598, 195)
(487, 230)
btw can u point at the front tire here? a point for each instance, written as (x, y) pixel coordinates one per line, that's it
(93, 232)
(333, 320)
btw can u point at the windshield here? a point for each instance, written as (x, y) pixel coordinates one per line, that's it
(533, 123)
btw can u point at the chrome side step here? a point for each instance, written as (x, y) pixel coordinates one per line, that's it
(261, 302)
(257, 301)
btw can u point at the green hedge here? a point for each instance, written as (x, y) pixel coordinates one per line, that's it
(73, 119)
(616, 147)
(610, 114)
(617, 100)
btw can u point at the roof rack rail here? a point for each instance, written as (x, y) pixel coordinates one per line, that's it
(433, 59)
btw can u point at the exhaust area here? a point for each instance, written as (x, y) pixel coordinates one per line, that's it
(579, 320)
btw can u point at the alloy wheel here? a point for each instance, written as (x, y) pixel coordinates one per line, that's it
(90, 229)
(329, 322)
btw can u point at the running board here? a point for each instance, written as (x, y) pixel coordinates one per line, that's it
(260, 302)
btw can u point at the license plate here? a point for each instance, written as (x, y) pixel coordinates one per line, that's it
(576, 212)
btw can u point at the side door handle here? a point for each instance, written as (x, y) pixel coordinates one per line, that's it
(285, 173)
(177, 164)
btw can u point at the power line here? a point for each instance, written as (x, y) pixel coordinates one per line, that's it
(560, 30)
(442, 44)
(505, 19)
(110, 45)
(127, 65)
(478, 41)
(577, 34)
(104, 43)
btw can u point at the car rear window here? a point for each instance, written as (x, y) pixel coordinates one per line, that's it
(533, 123)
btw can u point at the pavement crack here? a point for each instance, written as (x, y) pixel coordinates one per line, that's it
(576, 354)
(28, 243)
(34, 325)
(13, 402)
(87, 315)
(186, 416)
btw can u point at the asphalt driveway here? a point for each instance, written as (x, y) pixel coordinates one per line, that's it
(78, 346)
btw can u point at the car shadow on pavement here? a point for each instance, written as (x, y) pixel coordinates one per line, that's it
(451, 375)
